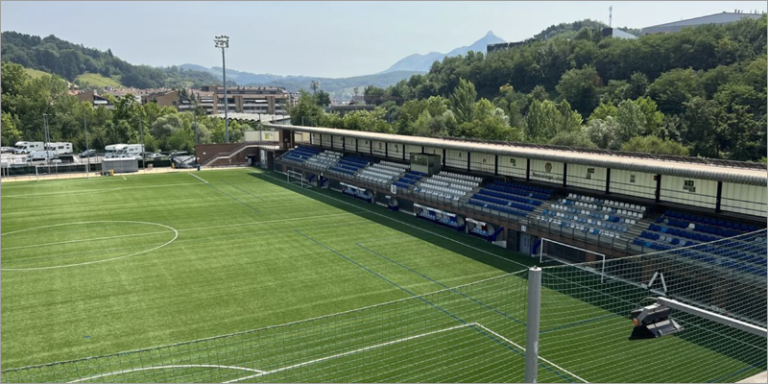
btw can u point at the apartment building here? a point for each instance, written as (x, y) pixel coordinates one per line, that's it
(265, 100)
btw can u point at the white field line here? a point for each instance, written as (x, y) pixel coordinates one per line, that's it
(523, 349)
(197, 177)
(125, 178)
(122, 372)
(83, 240)
(350, 352)
(412, 226)
(175, 236)
(87, 191)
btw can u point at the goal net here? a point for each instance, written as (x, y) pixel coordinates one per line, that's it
(297, 178)
(551, 251)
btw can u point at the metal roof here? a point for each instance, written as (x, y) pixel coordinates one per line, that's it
(694, 167)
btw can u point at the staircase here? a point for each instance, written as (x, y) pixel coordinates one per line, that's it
(230, 154)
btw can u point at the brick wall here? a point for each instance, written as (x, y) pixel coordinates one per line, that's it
(207, 151)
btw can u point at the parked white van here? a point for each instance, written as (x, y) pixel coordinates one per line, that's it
(59, 148)
(123, 151)
(41, 155)
(23, 147)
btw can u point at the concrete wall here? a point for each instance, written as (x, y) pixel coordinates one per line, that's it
(547, 171)
(586, 177)
(456, 159)
(482, 162)
(748, 199)
(632, 183)
(512, 166)
(395, 151)
(379, 148)
(701, 193)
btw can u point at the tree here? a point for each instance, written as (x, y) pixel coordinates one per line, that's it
(306, 111)
(638, 85)
(630, 119)
(575, 139)
(603, 111)
(373, 95)
(655, 145)
(653, 118)
(314, 85)
(10, 134)
(701, 124)
(604, 133)
(673, 89)
(546, 119)
(580, 88)
(323, 99)
(463, 99)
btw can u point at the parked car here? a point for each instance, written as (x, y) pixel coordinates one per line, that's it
(152, 155)
(177, 153)
(88, 153)
(56, 161)
(8, 150)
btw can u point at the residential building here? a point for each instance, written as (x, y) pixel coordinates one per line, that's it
(162, 99)
(265, 100)
(718, 18)
(94, 98)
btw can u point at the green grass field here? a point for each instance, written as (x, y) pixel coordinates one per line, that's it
(35, 73)
(101, 266)
(96, 80)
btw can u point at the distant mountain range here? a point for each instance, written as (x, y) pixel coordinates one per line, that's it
(422, 63)
(340, 88)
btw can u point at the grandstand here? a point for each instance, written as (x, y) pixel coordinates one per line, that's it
(614, 232)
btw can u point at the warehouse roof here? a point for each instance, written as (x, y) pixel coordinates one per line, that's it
(694, 167)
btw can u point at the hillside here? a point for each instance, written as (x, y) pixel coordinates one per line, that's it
(67, 60)
(34, 73)
(94, 80)
(422, 63)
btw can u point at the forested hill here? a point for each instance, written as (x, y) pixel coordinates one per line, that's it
(702, 89)
(67, 60)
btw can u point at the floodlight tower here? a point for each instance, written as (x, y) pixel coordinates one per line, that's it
(222, 42)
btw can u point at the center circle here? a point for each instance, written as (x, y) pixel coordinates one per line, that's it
(83, 243)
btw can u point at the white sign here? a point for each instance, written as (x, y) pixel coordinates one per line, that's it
(522, 228)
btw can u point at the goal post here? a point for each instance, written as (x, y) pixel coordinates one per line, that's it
(296, 178)
(546, 244)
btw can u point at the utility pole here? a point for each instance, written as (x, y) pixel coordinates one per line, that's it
(222, 42)
(88, 164)
(143, 150)
(46, 137)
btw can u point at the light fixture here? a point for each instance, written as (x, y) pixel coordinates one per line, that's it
(653, 321)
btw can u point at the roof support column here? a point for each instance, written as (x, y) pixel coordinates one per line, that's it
(443, 157)
(496, 165)
(719, 196)
(331, 142)
(607, 181)
(528, 169)
(565, 175)
(344, 143)
(469, 163)
(658, 188)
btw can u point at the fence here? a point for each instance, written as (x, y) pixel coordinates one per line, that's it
(70, 171)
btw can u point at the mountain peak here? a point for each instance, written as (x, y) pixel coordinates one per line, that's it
(421, 63)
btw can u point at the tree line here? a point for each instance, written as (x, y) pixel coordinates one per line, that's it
(26, 100)
(67, 60)
(698, 92)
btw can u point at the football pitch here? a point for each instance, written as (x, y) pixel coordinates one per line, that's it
(307, 285)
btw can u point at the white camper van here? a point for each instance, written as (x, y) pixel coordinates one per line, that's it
(59, 148)
(24, 147)
(41, 155)
(123, 151)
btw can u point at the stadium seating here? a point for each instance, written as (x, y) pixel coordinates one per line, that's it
(301, 154)
(323, 161)
(409, 179)
(383, 172)
(520, 190)
(350, 165)
(579, 224)
(448, 185)
(707, 225)
(497, 207)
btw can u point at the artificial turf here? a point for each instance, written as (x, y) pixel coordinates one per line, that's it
(95, 267)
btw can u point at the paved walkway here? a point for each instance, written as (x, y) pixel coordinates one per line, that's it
(759, 378)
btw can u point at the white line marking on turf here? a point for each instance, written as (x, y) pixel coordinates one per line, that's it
(165, 367)
(412, 226)
(175, 236)
(197, 177)
(125, 178)
(523, 349)
(82, 240)
(89, 191)
(350, 352)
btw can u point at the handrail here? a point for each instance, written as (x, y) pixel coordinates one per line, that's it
(235, 151)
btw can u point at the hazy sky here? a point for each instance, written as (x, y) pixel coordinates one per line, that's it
(330, 39)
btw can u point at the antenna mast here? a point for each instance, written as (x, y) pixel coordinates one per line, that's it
(610, 16)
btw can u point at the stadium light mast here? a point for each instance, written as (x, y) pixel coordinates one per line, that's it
(222, 42)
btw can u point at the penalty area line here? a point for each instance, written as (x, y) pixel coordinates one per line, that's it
(197, 177)
(368, 348)
(122, 372)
